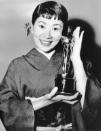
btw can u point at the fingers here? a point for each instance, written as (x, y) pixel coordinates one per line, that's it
(76, 32)
(78, 35)
(67, 98)
(72, 97)
(77, 43)
(71, 102)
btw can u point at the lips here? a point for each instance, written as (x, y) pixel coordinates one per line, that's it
(46, 42)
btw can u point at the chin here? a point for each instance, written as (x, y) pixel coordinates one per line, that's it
(48, 51)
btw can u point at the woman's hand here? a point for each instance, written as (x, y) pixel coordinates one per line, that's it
(52, 97)
(70, 99)
(77, 42)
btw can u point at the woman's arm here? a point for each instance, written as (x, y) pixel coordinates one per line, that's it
(89, 87)
(51, 98)
(79, 72)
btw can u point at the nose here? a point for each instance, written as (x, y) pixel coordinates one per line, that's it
(49, 34)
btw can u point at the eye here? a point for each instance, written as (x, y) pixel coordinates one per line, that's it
(42, 26)
(56, 28)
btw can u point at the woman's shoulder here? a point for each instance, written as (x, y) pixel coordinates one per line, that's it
(17, 63)
(19, 60)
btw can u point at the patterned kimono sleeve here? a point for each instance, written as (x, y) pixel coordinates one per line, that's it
(16, 113)
(92, 104)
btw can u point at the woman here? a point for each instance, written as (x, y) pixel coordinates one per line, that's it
(28, 95)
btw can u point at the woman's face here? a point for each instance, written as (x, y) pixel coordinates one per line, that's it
(47, 33)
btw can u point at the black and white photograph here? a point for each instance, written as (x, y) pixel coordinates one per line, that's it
(50, 65)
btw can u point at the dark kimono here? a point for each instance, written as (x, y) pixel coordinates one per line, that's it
(33, 75)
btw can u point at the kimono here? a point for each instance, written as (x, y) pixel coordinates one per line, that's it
(33, 75)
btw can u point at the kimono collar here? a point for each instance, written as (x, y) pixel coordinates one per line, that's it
(40, 61)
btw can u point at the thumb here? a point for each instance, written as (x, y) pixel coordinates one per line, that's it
(52, 93)
(80, 40)
(81, 35)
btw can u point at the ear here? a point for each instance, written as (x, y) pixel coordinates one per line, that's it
(28, 28)
(31, 28)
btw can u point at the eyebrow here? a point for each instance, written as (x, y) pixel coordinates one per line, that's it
(45, 23)
(41, 22)
(57, 24)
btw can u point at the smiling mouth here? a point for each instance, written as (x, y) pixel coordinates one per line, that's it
(45, 42)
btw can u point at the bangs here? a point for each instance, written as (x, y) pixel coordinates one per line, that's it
(49, 16)
(50, 11)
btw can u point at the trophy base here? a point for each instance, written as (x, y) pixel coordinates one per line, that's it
(65, 86)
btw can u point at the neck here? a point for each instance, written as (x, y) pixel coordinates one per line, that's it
(48, 55)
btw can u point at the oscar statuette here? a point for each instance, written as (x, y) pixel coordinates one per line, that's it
(66, 84)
